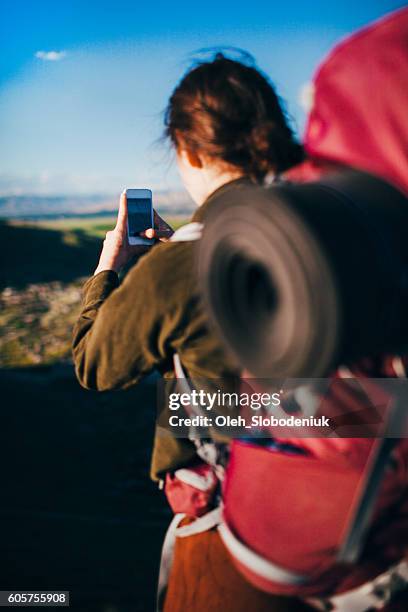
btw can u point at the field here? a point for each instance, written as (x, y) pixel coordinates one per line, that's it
(44, 265)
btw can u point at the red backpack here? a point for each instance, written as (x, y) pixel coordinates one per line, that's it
(293, 512)
(293, 509)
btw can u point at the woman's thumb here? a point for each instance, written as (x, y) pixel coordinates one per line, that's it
(122, 213)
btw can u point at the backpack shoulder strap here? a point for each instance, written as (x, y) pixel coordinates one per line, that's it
(188, 233)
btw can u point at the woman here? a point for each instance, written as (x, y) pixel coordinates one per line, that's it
(226, 124)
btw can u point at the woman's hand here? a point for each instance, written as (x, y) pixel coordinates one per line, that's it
(162, 230)
(116, 250)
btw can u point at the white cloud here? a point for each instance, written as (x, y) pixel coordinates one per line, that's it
(50, 56)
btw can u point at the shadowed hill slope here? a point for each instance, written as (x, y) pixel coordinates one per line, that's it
(31, 254)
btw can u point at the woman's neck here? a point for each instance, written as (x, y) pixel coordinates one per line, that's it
(213, 180)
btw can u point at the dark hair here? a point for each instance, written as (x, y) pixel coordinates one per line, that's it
(229, 110)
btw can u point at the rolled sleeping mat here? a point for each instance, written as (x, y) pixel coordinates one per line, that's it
(300, 278)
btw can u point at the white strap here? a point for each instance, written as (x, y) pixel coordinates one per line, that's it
(184, 387)
(373, 595)
(188, 233)
(204, 523)
(178, 368)
(205, 449)
(257, 564)
(399, 367)
(200, 482)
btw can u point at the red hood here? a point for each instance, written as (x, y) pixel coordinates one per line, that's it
(360, 110)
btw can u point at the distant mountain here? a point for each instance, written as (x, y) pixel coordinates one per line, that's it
(34, 207)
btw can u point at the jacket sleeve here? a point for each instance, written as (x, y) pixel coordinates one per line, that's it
(120, 335)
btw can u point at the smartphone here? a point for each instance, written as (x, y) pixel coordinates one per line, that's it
(140, 214)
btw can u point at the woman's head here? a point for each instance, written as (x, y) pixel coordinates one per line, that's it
(225, 116)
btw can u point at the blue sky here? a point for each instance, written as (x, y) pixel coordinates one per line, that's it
(86, 119)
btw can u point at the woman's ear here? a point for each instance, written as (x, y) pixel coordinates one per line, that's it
(189, 157)
(193, 159)
(186, 154)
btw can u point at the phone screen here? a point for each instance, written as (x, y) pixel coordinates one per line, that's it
(139, 215)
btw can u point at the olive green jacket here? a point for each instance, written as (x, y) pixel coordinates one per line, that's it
(126, 330)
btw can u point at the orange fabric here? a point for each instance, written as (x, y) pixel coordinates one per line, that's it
(203, 579)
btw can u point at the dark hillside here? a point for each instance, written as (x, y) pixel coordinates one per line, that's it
(32, 254)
